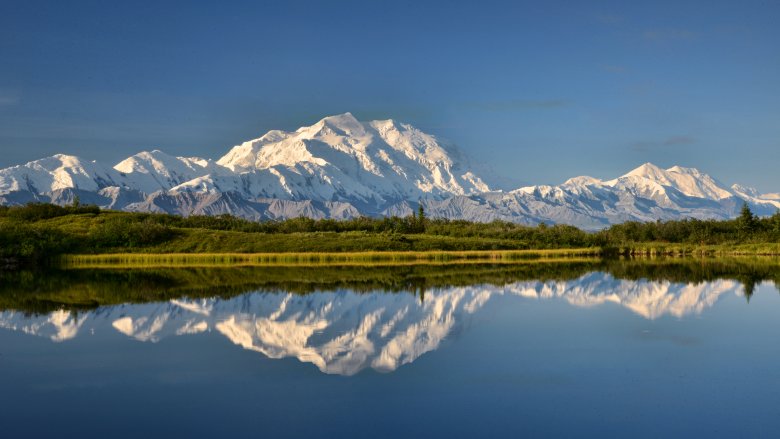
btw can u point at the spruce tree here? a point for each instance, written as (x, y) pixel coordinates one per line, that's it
(775, 221)
(421, 218)
(747, 222)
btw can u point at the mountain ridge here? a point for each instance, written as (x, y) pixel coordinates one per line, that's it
(340, 167)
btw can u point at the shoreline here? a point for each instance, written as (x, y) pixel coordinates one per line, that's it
(682, 250)
(380, 258)
(369, 258)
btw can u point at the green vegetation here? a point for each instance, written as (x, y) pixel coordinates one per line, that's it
(747, 234)
(363, 259)
(39, 232)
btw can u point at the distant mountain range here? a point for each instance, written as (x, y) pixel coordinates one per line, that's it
(345, 332)
(342, 168)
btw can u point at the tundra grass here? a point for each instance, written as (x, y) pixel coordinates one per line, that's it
(371, 258)
(211, 241)
(667, 249)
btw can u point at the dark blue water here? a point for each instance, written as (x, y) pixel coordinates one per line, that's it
(590, 357)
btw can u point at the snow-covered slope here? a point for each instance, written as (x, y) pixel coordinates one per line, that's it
(340, 158)
(690, 182)
(345, 332)
(647, 193)
(340, 168)
(155, 170)
(57, 172)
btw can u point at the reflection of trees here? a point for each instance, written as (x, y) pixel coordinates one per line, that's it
(748, 271)
(74, 289)
(54, 289)
(748, 285)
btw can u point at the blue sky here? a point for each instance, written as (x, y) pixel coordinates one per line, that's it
(542, 91)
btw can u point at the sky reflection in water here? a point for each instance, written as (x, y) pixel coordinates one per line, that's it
(593, 355)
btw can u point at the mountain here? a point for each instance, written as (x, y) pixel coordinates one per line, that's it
(154, 171)
(368, 165)
(647, 193)
(341, 168)
(54, 173)
(344, 332)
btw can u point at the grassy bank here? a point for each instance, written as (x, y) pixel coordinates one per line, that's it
(37, 233)
(370, 258)
(385, 258)
(672, 249)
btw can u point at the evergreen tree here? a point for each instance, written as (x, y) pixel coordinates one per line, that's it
(418, 221)
(775, 222)
(747, 221)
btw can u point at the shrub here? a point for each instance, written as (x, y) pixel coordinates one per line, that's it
(129, 232)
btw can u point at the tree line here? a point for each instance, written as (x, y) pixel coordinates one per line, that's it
(31, 231)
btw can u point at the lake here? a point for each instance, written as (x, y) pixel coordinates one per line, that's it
(591, 348)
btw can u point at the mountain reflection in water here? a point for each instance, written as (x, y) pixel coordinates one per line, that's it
(343, 331)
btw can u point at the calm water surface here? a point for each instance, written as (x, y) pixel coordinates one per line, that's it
(591, 353)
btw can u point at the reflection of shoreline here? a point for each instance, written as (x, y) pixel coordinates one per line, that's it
(51, 290)
(379, 259)
(344, 332)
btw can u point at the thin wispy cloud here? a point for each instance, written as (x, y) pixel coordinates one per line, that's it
(679, 140)
(518, 105)
(649, 145)
(613, 68)
(609, 18)
(7, 101)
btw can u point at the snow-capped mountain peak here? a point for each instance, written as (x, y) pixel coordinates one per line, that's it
(340, 167)
(746, 191)
(151, 171)
(59, 171)
(340, 124)
(157, 161)
(373, 161)
(648, 170)
(688, 181)
(582, 180)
